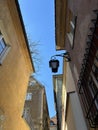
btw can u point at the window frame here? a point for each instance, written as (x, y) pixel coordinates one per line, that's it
(2, 44)
(71, 27)
(29, 96)
(5, 50)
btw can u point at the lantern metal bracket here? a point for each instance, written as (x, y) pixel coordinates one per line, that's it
(65, 55)
(54, 63)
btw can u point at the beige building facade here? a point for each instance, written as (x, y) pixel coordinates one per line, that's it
(53, 123)
(76, 31)
(15, 67)
(36, 109)
(57, 83)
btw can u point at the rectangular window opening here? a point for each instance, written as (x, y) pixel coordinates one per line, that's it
(71, 28)
(4, 48)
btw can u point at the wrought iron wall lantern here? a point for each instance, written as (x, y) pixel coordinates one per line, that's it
(54, 63)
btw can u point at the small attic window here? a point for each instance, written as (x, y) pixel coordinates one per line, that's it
(52, 123)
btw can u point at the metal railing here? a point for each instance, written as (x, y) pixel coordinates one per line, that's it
(88, 80)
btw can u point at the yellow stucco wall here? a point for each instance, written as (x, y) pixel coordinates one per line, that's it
(15, 69)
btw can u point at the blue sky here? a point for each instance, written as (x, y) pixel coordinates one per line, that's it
(38, 16)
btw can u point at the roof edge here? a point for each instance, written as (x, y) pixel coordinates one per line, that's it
(24, 31)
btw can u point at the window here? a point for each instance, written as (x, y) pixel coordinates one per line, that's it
(52, 123)
(26, 112)
(32, 83)
(4, 48)
(29, 96)
(71, 27)
(2, 45)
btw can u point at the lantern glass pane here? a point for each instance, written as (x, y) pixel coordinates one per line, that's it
(54, 64)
